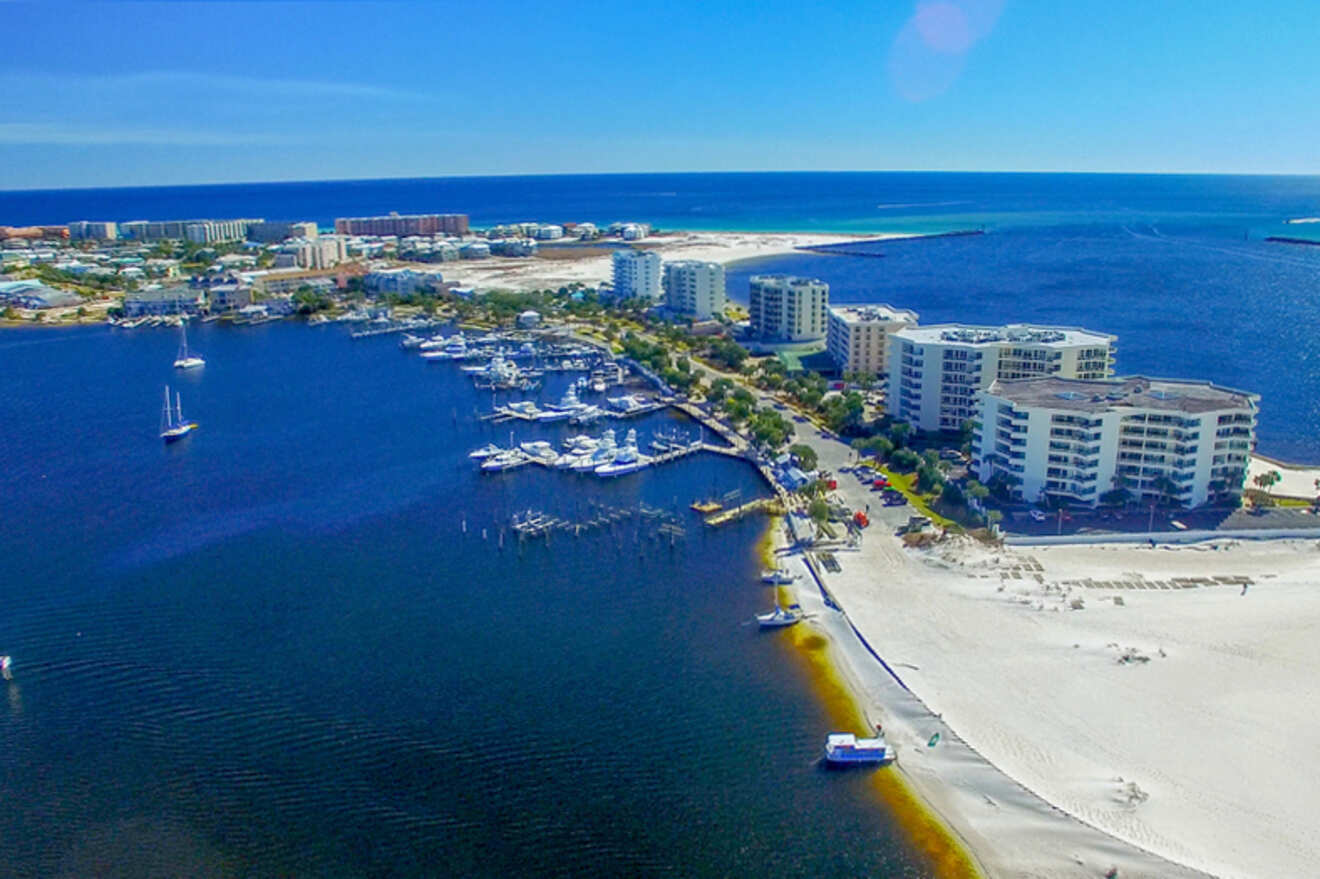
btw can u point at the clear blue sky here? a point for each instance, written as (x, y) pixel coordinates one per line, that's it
(103, 94)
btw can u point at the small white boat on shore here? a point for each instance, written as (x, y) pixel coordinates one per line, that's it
(780, 617)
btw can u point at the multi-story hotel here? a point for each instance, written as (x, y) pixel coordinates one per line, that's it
(636, 274)
(275, 231)
(858, 335)
(411, 224)
(197, 231)
(788, 309)
(935, 371)
(1158, 439)
(89, 229)
(695, 288)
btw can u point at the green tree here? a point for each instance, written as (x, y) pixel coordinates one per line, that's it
(806, 456)
(819, 511)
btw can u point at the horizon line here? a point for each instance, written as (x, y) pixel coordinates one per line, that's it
(514, 174)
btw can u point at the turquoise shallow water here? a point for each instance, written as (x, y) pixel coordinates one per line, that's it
(271, 650)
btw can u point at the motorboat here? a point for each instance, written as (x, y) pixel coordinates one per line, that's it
(485, 451)
(626, 460)
(504, 461)
(846, 749)
(538, 448)
(408, 341)
(778, 577)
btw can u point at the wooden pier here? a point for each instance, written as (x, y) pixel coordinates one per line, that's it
(768, 505)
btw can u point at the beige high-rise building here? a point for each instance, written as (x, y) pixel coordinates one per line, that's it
(788, 309)
(858, 335)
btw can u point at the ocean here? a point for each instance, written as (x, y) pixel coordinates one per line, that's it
(297, 643)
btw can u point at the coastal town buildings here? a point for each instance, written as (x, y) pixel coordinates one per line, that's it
(1143, 439)
(694, 288)
(34, 232)
(935, 371)
(858, 335)
(268, 232)
(410, 224)
(637, 274)
(402, 282)
(788, 309)
(178, 299)
(89, 230)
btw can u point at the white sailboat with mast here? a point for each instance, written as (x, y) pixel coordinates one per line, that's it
(173, 427)
(187, 359)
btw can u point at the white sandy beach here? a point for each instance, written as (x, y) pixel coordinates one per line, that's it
(1200, 749)
(722, 247)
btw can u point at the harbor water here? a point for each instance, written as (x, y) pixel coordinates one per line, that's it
(298, 643)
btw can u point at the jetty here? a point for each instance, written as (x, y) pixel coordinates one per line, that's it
(852, 248)
(770, 505)
(535, 524)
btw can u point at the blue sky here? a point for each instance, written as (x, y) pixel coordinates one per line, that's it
(104, 94)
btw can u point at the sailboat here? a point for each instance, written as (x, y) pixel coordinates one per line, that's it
(186, 360)
(172, 426)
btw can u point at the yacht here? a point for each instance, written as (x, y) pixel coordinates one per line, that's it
(538, 448)
(485, 451)
(409, 341)
(172, 426)
(626, 460)
(845, 749)
(603, 454)
(185, 359)
(504, 461)
(778, 577)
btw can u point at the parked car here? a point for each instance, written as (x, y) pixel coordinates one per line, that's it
(1037, 516)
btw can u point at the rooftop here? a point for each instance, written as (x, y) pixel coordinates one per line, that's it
(1118, 394)
(873, 313)
(1020, 334)
(786, 281)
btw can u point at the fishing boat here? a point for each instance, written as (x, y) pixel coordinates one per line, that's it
(778, 576)
(780, 617)
(186, 359)
(172, 425)
(603, 454)
(845, 749)
(504, 461)
(627, 460)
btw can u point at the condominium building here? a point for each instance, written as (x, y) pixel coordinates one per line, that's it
(270, 232)
(695, 288)
(93, 230)
(409, 224)
(788, 309)
(636, 274)
(403, 282)
(858, 335)
(935, 371)
(197, 231)
(1078, 440)
(322, 253)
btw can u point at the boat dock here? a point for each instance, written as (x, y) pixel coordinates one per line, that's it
(770, 505)
(393, 328)
(535, 524)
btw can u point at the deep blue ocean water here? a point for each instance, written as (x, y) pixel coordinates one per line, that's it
(272, 650)
(1175, 265)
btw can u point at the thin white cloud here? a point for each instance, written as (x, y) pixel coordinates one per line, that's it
(203, 82)
(61, 134)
